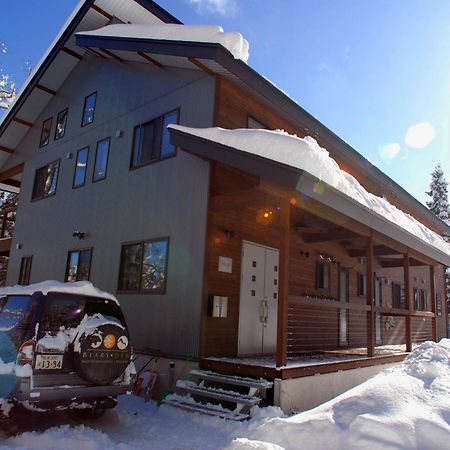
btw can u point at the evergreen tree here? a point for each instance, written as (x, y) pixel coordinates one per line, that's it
(439, 194)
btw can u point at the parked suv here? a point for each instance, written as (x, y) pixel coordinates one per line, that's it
(62, 346)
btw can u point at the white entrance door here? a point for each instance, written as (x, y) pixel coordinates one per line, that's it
(378, 337)
(343, 295)
(258, 300)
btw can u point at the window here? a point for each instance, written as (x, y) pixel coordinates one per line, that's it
(61, 123)
(398, 296)
(423, 300)
(45, 181)
(78, 265)
(89, 109)
(143, 266)
(79, 175)
(45, 133)
(322, 276)
(362, 284)
(101, 160)
(151, 140)
(416, 299)
(25, 270)
(255, 124)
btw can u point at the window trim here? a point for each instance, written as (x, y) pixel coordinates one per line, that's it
(84, 108)
(141, 291)
(41, 145)
(66, 110)
(30, 258)
(56, 186)
(68, 261)
(95, 180)
(75, 169)
(172, 155)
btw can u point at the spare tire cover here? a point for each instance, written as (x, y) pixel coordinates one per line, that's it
(102, 354)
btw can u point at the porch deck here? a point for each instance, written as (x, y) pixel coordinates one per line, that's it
(305, 364)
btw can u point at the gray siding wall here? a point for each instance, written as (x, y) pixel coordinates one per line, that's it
(167, 198)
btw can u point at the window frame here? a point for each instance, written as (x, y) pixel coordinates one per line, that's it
(24, 271)
(141, 291)
(35, 199)
(84, 109)
(156, 160)
(79, 250)
(75, 169)
(56, 137)
(41, 145)
(94, 179)
(323, 264)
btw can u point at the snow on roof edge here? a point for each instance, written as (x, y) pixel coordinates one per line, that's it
(234, 42)
(306, 154)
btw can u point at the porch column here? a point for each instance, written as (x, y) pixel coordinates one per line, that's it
(408, 303)
(433, 304)
(283, 291)
(369, 298)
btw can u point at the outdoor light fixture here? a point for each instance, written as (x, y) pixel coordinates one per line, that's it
(78, 234)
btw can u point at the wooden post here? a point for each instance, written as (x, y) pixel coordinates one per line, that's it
(282, 320)
(369, 298)
(408, 303)
(433, 304)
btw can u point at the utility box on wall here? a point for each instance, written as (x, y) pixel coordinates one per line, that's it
(218, 306)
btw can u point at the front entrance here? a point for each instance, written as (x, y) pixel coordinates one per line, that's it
(258, 300)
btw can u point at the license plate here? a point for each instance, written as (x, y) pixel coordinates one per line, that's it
(46, 362)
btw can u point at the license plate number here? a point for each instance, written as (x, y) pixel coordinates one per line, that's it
(45, 362)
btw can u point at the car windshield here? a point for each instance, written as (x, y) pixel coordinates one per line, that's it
(13, 310)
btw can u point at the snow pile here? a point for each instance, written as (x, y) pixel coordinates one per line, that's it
(77, 287)
(306, 154)
(232, 41)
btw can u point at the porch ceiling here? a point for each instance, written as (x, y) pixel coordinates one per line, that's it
(353, 219)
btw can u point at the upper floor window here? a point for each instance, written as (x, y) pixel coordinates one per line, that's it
(89, 109)
(101, 160)
(79, 175)
(362, 284)
(61, 122)
(78, 265)
(45, 133)
(45, 181)
(143, 266)
(398, 295)
(322, 276)
(151, 140)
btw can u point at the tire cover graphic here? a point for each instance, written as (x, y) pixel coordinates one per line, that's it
(101, 360)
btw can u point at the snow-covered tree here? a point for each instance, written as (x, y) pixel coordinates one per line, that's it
(439, 194)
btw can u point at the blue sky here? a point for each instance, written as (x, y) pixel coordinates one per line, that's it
(368, 69)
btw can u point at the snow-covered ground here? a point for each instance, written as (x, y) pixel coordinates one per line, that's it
(407, 407)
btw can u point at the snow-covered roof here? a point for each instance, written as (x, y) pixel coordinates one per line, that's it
(306, 154)
(232, 41)
(77, 287)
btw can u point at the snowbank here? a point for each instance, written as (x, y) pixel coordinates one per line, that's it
(306, 154)
(77, 287)
(405, 408)
(232, 41)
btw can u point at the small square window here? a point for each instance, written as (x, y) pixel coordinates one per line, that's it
(79, 175)
(253, 277)
(143, 267)
(253, 263)
(61, 123)
(78, 265)
(101, 160)
(45, 133)
(253, 293)
(45, 181)
(89, 109)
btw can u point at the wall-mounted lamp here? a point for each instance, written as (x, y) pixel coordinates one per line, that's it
(78, 234)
